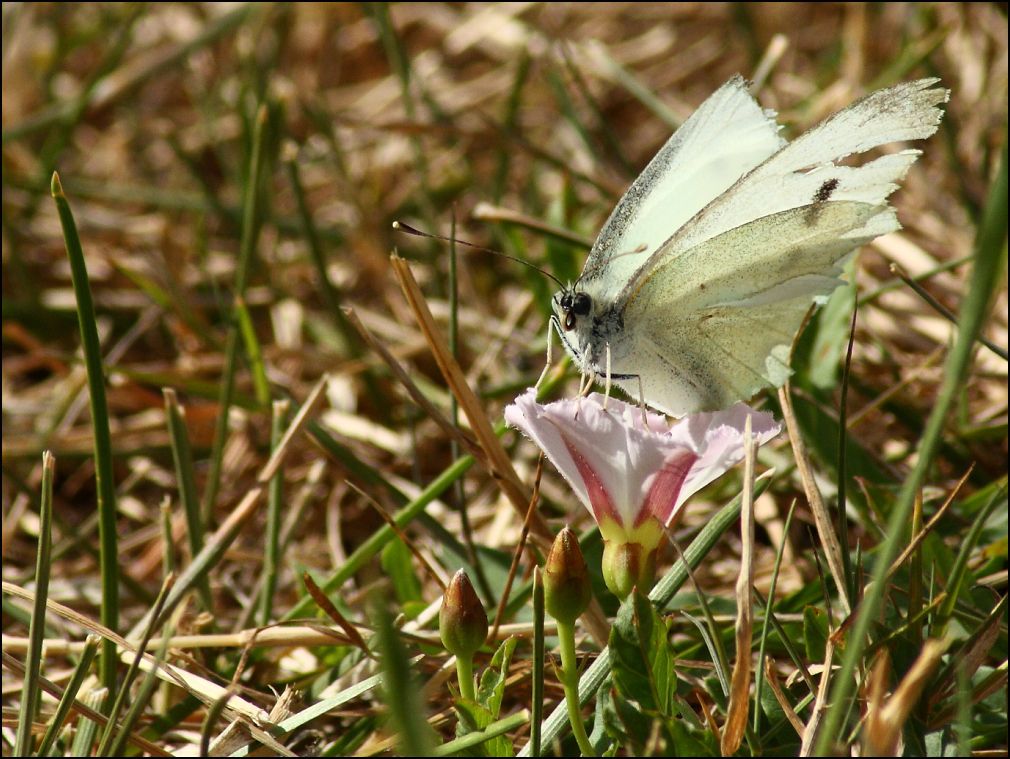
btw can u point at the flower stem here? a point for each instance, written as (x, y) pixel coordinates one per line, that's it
(570, 681)
(464, 671)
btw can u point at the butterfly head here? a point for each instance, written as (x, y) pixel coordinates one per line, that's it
(571, 306)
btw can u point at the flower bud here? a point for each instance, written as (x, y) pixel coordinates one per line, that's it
(462, 621)
(626, 565)
(567, 590)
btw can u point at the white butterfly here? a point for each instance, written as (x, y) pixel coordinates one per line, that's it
(705, 269)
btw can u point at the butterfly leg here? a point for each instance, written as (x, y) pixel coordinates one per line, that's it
(641, 400)
(606, 392)
(551, 326)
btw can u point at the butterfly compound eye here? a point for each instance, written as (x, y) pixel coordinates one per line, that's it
(581, 304)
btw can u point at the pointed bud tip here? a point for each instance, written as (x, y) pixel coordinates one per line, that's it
(567, 588)
(462, 621)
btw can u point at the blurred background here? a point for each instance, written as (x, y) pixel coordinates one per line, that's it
(522, 123)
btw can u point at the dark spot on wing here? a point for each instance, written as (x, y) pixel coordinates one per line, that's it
(824, 191)
(821, 197)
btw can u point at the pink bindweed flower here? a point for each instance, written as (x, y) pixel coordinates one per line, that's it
(633, 473)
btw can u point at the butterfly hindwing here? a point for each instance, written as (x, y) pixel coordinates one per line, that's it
(725, 315)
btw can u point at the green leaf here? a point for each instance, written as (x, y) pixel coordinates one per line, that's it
(398, 567)
(815, 632)
(642, 658)
(475, 717)
(689, 741)
(822, 346)
(492, 682)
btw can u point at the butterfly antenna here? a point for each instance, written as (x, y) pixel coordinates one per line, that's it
(399, 225)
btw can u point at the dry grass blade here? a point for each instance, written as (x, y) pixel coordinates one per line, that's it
(333, 613)
(404, 538)
(921, 535)
(499, 464)
(822, 518)
(488, 212)
(495, 457)
(739, 694)
(81, 708)
(517, 554)
(218, 543)
(408, 384)
(820, 703)
(885, 721)
(204, 689)
(787, 708)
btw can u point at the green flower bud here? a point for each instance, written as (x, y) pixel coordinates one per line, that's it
(462, 621)
(567, 590)
(626, 565)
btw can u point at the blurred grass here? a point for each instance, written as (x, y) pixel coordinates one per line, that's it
(227, 289)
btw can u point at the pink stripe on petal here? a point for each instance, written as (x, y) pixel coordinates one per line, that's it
(600, 499)
(664, 489)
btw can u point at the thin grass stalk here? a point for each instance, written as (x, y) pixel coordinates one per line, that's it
(275, 498)
(959, 572)
(985, 278)
(182, 456)
(537, 695)
(768, 614)
(167, 540)
(110, 732)
(104, 490)
(143, 694)
(257, 368)
(210, 720)
(81, 671)
(219, 542)
(472, 740)
(84, 738)
(37, 627)
(331, 296)
(849, 576)
(56, 691)
(403, 697)
(458, 491)
(250, 236)
(739, 696)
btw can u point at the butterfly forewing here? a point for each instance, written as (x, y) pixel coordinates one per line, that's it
(725, 138)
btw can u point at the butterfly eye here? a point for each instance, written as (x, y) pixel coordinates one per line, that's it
(581, 304)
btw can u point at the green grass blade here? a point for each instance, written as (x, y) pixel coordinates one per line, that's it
(402, 693)
(538, 663)
(81, 671)
(111, 736)
(84, 738)
(768, 613)
(261, 385)
(183, 457)
(470, 741)
(275, 497)
(106, 493)
(250, 234)
(990, 244)
(37, 627)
